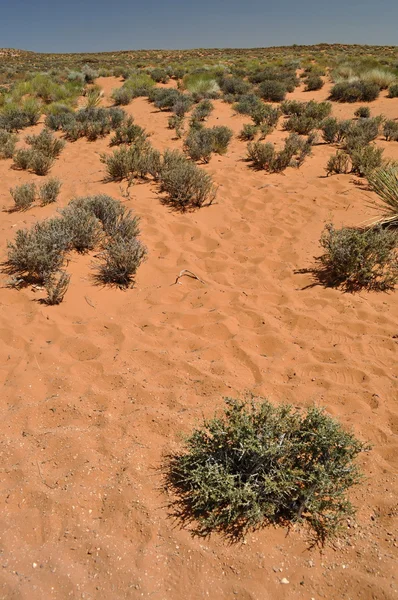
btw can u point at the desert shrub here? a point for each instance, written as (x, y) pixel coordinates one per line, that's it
(234, 85)
(355, 91)
(358, 259)
(366, 159)
(334, 131)
(317, 110)
(40, 163)
(247, 104)
(293, 107)
(138, 160)
(390, 130)
(38, 252)
(31, 109)
(261, 155)
(46, 143)
(23, 195)
(22, 158)
(393, 90)
(202, 110)
(119, 261)
(8, 142)
(89, 74)
(59, 118)
(338, 163)
(82, 226)
(177, 123)
(199, 144)
(182, 105)
(49, 191)
(128, 133)
(272, 91)
(285, 76)
(313, 83)
(363, 112)
(259, 464)
(221, 138)
(13, 118)
(362, 132)
(248, 132)
(264, 130)
(302, 124)
(264, 113)
(56, 286)
(264, 156)
(165, 99)
(159, 75)
(185, 184)
(122, 96)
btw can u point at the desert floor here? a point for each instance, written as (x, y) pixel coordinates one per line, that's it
(95, 391)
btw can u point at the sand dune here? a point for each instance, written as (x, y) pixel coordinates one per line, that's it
(97, 389)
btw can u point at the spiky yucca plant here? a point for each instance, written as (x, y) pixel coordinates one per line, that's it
(384, 182)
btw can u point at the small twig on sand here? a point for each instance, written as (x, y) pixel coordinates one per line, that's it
(89, 302)
(52, 487)
(189, 274)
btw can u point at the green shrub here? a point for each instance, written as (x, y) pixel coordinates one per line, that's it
(8, 142)
(393, 90)
(221, 138)
(334, 131)
(366, 159)
(82, 227)
(49, 191)
(22, 158)
(119, 261)
(338, 163)
(159, 75)
(23, 195)
(185, 184)
(37, 253)
(362, 132)
(261, 155)
(313, 83)
(264, 113)
(122, 96)
(317, 110)
(46, 143)
(261, 464)
(177, 123)
(248, 132)
(60, 118)
(235, 86)
(138, 160)
(199, 144)
(128, 133)
(363, 112)
(293, 107)
(380, 77)
(390, 130)
(302, 124)
(40, 163)
(355, 91)
(359, 259)
(182, 105)
(247, 104)
(272, 91)
(56, 286)
(202, 110)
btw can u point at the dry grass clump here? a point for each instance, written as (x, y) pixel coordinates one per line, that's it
(258, 464)
(56, 286)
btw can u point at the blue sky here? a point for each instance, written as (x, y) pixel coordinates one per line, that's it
(103, 25)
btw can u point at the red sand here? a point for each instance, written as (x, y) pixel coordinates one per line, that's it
(97, 389)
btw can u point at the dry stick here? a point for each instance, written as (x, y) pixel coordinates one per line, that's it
(89, 302)
(189, 274)
(52, 487)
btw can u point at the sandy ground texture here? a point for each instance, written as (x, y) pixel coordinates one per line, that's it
(96, 390)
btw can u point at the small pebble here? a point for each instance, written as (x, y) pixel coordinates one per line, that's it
(284, 580)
